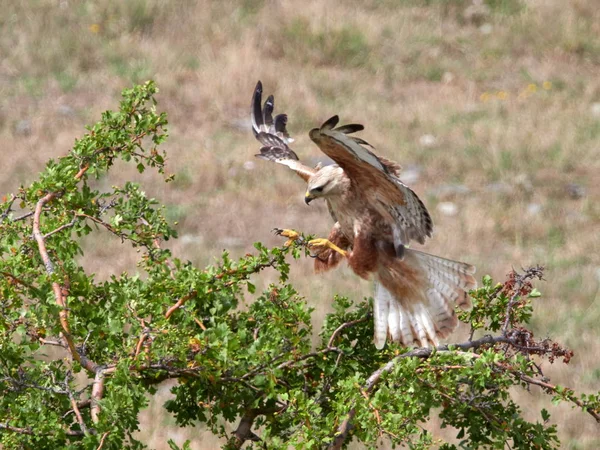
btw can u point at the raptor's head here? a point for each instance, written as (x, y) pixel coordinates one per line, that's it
(326, 182)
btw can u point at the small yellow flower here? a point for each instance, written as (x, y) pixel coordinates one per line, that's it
(532, 88)
(484, 97)
(547, 85)
(94, 28)
(501, 95)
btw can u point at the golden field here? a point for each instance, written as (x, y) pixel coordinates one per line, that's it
(492, 107)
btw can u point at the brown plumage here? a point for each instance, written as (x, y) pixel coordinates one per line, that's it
(376, 216)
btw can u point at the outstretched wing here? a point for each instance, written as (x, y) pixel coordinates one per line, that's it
(378, 179)
(272, 134)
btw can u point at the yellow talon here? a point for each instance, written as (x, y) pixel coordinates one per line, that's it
(290, 234)
(325, 243)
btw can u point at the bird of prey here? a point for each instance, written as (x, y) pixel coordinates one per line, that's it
(376, 216)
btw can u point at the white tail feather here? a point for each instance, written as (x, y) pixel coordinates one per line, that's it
(393, 318)
(425, 319)
(381, 305)
(405, 331)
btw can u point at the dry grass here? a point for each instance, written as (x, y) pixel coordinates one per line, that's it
(510, 95)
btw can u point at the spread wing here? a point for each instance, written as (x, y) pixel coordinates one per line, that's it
(272, 134)
(378, 179)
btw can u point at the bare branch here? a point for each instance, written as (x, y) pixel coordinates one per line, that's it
(97, 393)
(50, 342)
(58, 294)
(77, 413)
(24, 216)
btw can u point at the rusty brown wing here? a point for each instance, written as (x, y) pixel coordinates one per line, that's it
(378, 180)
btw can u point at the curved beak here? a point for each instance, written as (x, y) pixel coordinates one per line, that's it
(308, 198)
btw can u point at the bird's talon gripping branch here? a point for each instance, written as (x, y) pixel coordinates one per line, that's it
(290, 234)
(325, 243)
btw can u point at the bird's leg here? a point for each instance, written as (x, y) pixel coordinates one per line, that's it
(326, 243)
(290, 234)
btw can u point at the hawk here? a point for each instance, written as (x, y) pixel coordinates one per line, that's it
(376, 216)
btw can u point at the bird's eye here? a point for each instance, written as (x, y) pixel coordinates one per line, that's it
(319, 189)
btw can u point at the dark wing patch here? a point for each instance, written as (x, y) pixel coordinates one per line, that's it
(277, 154)
(268, 111)
(262, 117)
(272, 134)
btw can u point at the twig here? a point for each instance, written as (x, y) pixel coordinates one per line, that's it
(346, 325)
(8, 209)
(62, 227)
(180, 303)
(200, 324)
(156, 244)
(17, 280)
(83, 170)
(77, 413)
(49, 342)
(102, 440)
(552, 388)
(138, 347)
(24, 216)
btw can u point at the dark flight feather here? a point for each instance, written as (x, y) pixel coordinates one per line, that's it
(350, 128)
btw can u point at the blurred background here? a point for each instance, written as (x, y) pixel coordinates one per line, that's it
(491, 106)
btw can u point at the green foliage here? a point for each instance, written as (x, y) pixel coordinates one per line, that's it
(80, 358)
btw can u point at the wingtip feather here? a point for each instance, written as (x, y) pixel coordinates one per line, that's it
(256, 108)
(330, 123)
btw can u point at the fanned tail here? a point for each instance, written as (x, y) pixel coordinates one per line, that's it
(415, 298)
